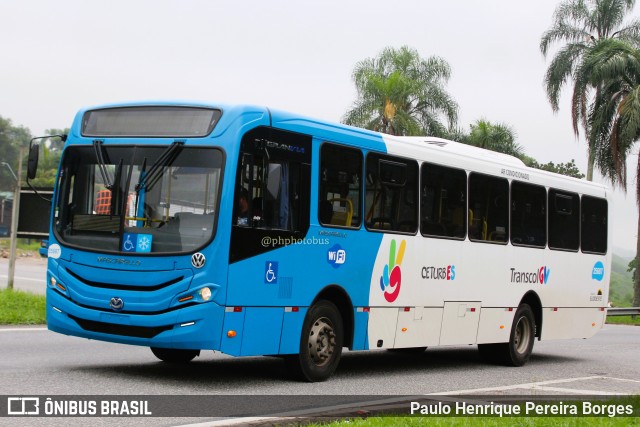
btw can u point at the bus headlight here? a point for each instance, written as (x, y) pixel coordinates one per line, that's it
(205, 294)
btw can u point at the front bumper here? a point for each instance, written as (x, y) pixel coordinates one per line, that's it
(197, 327)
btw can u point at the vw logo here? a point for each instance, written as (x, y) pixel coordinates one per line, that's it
(116, 303)
(198, 260)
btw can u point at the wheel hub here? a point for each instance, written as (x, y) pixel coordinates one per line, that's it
(322, 341)
(522, 335)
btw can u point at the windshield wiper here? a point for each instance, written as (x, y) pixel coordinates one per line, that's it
(166, 158)
(99, 149)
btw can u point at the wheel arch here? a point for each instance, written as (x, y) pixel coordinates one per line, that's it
(339, 297)
(532, 299)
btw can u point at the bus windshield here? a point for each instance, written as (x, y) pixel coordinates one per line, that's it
(142, 199)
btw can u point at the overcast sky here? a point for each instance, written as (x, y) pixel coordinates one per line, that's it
(58, 56)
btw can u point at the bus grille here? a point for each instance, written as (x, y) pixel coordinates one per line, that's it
(115, 329)
(124, 287)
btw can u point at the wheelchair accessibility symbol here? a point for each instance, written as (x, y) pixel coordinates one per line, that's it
(133, 242)
(271, 272)
(128, 245)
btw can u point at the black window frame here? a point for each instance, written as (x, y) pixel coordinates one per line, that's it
(583, 213)
(424, 170)
(552, 212)
(246, 241)
(545, 219)
(475, 214)
(392, 160)
(360, 206)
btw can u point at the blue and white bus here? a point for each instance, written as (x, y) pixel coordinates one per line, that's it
(191, 226)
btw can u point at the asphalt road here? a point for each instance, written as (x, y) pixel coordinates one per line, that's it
(38, 362)
(30, 274)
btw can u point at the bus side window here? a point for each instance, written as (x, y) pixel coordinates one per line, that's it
(564, 220)
(391, 198)
(528, 215)
(594, 225)
(340, 186)
(271, 196)
(489, 202)
(443, 201)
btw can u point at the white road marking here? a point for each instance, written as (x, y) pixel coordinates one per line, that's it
(24, 278)
(540, 386)
(570, 391)
(516, 386)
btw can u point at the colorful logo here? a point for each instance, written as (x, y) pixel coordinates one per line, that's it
(598, 271)
(439, 273)
(391, 278)
(540, 275)
(543, 275)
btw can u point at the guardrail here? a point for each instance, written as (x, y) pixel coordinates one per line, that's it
(623, 311)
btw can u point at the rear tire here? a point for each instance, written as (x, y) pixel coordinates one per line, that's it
(320, 344)
(172, 355)
(518, 350)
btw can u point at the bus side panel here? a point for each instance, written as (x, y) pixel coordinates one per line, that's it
(232, 343)
(361, 320)
(495, 325)
(460, 322)
(418, 327)
(208, 320)
(382, 327)
(564, 323)
(291, 327)
(262, 330)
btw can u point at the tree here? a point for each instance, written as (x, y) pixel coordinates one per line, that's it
(614, 67)
(51, 151)
(568, 169)
(495, 137)
(583, 25)
(11, 139)
(400, 93)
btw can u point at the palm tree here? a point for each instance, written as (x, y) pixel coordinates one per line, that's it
(615, 115)
(402, 94)
(582, 25)
(496, 137)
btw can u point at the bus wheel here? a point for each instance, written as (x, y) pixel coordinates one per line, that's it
(172, 355)
(320, 344)
(517, 351)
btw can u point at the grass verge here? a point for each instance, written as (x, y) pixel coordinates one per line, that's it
(21, 308)
(484, 421)
(624, 320)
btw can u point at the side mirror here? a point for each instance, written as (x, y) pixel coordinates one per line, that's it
(32, 164)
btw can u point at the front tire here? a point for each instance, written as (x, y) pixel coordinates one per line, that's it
(518, 350)
(172, 355)
(320, 344)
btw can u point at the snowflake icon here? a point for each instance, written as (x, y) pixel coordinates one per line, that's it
(144, 243)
